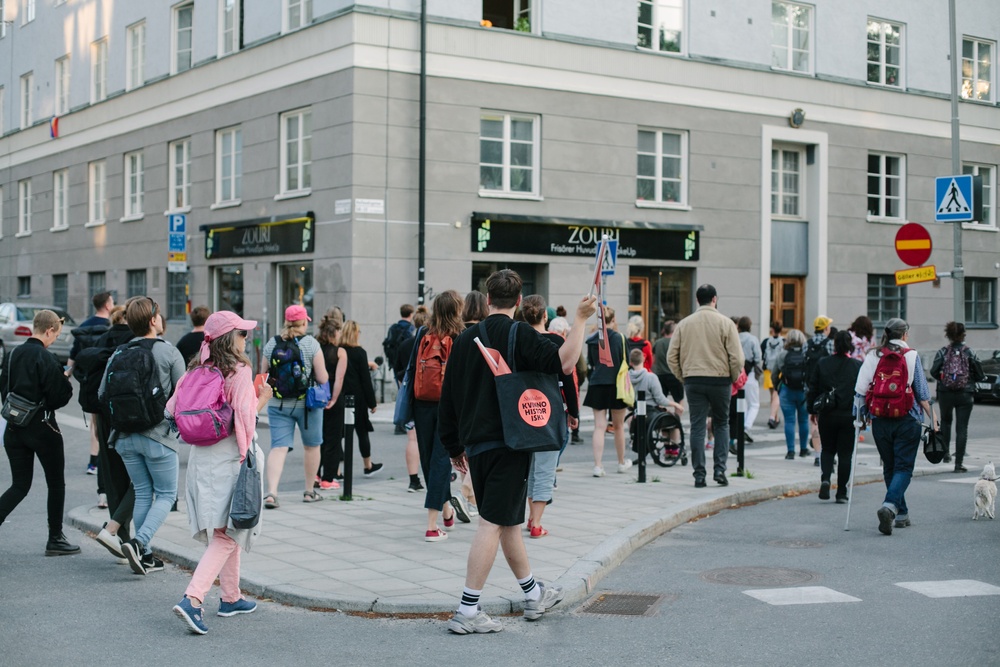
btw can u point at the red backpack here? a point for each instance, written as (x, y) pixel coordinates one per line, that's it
(432, 357)
(889, 394)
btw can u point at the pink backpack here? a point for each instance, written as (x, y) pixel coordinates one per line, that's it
(202, 415)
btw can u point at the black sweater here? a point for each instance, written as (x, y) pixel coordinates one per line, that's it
(566, 383)
(35, 374)
(599, 373)
(358, 379)
(838, 372)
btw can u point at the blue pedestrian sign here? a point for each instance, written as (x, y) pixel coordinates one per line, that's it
(610, 258)
(953, 199)
(178, 223)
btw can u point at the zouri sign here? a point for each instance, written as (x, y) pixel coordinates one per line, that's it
(266, 236)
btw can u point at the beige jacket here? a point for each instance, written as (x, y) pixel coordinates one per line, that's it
(705, 344)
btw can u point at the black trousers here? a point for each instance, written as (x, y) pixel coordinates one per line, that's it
(836, 433)
(332, 449)
(114, 478)
(22, 446)
(960, 403)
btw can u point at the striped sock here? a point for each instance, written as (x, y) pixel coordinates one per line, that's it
(530, 588)
(470, 602)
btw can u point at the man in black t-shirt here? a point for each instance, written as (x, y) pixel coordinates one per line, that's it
(190, 343)
(472, 432)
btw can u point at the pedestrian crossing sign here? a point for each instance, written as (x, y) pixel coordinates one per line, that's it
(954, 199)
(610, 258)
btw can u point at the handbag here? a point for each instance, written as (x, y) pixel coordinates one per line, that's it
(531, 407)
(624, 390)
(244, 512)
(825, 402)
(318, 395)
(933, 444)
(17, 410)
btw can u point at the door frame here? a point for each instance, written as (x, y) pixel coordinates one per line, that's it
(640, 309)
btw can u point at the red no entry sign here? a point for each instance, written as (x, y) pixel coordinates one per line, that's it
(913, 244)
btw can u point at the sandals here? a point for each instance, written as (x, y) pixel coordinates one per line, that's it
(271, 501)
(311, 497)
(537, 531)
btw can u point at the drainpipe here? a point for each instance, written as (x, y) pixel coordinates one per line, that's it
(422, 185)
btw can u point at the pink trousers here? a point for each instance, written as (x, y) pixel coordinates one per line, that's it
(222, 560)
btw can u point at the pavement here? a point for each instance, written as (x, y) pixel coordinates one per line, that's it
(369, 554)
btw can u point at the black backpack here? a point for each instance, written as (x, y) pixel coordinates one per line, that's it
(814, 352)
(88, 336)
(397, 334)
(89, 371)
(133, 395)
(288, 374)
(793, 371)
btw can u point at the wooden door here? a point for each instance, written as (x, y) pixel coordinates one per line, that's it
(638, 303)
(788, 301)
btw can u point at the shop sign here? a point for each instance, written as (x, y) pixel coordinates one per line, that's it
(271, 236)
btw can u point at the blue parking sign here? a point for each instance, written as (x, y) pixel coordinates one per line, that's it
(178, 223)
(953, 199)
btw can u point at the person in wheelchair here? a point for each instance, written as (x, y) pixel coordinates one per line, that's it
(643, 380)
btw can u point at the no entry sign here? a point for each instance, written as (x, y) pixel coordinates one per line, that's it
(913, 244)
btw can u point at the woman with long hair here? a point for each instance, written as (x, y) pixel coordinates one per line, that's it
(212, 472)
(789, 368)
(358, 383)
(475, 308)
(955, 391)
(332, 449)
(770, 349)
(602, 394)
(862, 337)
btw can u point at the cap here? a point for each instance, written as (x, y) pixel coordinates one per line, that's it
(219, 324)
(295, 313)
(821, 323)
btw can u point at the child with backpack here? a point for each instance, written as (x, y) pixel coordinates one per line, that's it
(892, 392)
(140, 377)
(956, 370)
(220, 380)
(295, 359)
(790, 370)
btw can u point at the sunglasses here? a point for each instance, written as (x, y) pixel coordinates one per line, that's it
(244, 334)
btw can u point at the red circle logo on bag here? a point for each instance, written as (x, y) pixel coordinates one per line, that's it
(534, 408)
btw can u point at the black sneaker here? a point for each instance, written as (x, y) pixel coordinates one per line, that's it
(414, 486)
(885, 519)
(374, 469)
(721, 480)
(747, 438)
(790, 456)
(824, 490)
(399, 430)
(134, 553)
(151, 564)
(700, 483)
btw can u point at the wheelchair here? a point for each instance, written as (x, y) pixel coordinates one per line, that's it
(659, 423)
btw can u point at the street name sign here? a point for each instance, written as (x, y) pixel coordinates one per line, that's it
(920, 275)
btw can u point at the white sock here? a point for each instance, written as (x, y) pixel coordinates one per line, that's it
(530, 588)
(469, 606)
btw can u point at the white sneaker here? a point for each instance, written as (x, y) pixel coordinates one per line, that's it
(623, 467)
(598, 471)
(112, 543)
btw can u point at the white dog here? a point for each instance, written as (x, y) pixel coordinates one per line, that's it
(985, 493)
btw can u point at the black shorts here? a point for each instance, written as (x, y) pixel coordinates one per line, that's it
(672, 386)
(604, 397)
(500, 482)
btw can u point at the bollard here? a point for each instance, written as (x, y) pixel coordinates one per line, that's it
(640, 433)
(741, 410)
(348, 447)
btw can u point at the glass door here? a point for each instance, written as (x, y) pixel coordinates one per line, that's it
(295, 285)
(229, 288)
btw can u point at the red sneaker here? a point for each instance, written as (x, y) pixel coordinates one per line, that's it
(538, 531)
(435, 535)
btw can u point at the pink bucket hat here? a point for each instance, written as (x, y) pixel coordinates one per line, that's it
(219, 324)
(296, 313)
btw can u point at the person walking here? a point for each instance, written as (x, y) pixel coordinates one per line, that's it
(668, 381)
(395, 336)
(212, 471)
(85, 336)
(335, 358)
(834, 378)
(770, 349)
(790, 371)
(33, 374)
(706, 355)
(753, 361)
(421, 316)
(602, 394)
(472, 432)
(862, 337)
(190, 343)
(896, 438)
(358, 383)
(956, 370)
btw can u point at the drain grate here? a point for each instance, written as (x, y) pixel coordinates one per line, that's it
(621, 604)
(759, 576)
(795, 544)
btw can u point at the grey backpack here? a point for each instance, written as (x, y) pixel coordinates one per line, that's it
(247, 496)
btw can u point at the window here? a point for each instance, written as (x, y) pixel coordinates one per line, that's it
(136, 282)
(230, 26)
(790, 44)
(97, 206)
(183, 29)
(886, 186)
(977, 69)
(786, 182)
(296, 151)
(134, 185)
(989, 176)
(24, 207)
(228, 165)
(60, 199)
(980, 302)
(62, 86)
(99, 71)
(24, 287)
(885, 45)
(135, 58)
(298, 14)
(176, 296)
(661, 169)
(28, 15)
(180, 174)
(885, 299)
(60, 291)
(510, 14)
(508, 153)
(27, 86)
(661, 24)
(96, 283)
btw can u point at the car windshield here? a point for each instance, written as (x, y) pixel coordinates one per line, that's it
(27, 314)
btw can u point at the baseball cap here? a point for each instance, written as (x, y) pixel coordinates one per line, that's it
(295, 312)
(219, 324)
(821, 323)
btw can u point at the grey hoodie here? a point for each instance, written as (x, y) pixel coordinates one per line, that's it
(645, 381)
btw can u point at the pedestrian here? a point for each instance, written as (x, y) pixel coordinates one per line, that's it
(474, 308)
(472, 432)
(706, 355)
(753, 361)
(212, 471)
(790, 371)
(818, 347)
(896, 438)
(85, 336)
(332, 450)
(633, 331)
(34, 375)
(190, 343)
(358, 383)
(956, 370)
(770, 349)
(295, 360)
(149, 454)
(397, 333)
(602, 395)
(656, 399)
(834, 378)
(668, 381)
(862, 336)
(420, 319)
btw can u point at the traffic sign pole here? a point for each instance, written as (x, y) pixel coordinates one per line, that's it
(958, 273)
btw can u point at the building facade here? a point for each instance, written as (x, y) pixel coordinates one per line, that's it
(252, 155)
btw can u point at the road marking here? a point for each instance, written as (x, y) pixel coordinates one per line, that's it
(800, 595)
(961, 480)
(953, 588)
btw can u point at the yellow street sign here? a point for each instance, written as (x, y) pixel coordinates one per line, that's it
(921, 274)
(177, 257)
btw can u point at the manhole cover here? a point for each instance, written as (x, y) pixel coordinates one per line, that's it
(759, 576)
(795, 544)
(621, 604)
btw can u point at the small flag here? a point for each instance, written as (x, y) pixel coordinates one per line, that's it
(603, 342)
(54, 127)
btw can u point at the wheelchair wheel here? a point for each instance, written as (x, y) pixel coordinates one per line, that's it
(665, 453)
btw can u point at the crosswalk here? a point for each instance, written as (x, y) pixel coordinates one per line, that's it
(950, 588)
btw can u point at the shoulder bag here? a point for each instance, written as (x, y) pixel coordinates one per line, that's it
(17, 410)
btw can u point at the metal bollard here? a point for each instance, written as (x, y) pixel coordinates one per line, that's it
(640, 432)
(741, 410)
(348, 447)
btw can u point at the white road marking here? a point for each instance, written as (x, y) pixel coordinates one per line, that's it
(800, 595)
(954, 588)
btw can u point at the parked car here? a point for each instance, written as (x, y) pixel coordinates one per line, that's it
(15, 328)
(989, 389)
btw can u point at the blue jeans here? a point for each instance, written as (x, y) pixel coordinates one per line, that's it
(704, 399)
(434, 459)
(283, 423)
(793, 403)
(153, 469)
(897, 441)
